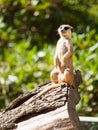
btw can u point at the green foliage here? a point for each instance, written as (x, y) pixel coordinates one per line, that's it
(89, 125)
(27, 44)
(23, 69)
(86, 55)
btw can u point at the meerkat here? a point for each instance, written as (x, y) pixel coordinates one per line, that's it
(63, 64)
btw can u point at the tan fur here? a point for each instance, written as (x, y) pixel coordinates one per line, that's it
(63, 64)
(63, 70)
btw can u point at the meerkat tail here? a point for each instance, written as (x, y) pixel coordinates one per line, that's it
(43, 92)
(47, 89)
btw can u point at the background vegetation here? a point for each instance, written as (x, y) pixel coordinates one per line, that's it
(27, 43)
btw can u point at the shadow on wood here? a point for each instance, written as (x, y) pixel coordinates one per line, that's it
(54, 110)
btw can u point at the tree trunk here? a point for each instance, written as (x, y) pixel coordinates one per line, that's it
(54, 110)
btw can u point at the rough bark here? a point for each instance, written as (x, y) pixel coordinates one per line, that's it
(48, 104)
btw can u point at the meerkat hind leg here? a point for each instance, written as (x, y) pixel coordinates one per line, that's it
(68, 77)
(54, 76)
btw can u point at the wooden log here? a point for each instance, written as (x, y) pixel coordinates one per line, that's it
(54, 110)
(57, 119)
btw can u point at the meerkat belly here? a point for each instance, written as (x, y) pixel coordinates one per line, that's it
(62, 50)
(68, 64)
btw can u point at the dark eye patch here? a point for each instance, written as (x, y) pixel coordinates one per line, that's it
(66, 28)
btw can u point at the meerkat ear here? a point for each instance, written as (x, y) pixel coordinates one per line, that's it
(72, 28)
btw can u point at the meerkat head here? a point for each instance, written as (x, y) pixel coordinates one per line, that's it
(65, 31)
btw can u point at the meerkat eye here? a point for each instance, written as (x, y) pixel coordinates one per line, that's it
(66, 28)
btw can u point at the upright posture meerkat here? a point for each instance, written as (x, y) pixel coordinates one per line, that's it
(63, 64)
(63, 70)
